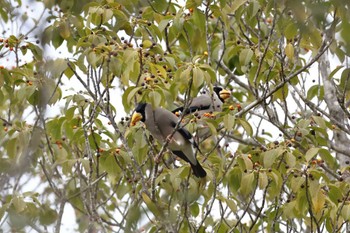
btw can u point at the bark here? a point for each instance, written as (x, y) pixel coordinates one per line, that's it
(340, 138)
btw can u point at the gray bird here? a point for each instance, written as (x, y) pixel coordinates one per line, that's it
(161, 124)
(206, 103)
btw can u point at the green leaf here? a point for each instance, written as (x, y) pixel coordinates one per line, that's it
(276, 184)
(312, 152)
(289, 209)
(231, 204)
(247, 127)
(296, 182)
(209, 73)
(19, 203)
(335, 193)
(128, 95)
(235, 177)
(194, 208)
(229, 121)
(151, 205)
(247, 183)
(163, 24)
(315, 91)
(245, 163)
(245, 56)
(185, 75)
(320, 121)
(198, 78)
(329, 159)
(270, 156)
(47, 215)
(155, 98)
(236, 4)
(64, 30)
(334, 71)
(290, 159)
(291, 31)
(345, 212)
(263, 181)
(36, 50)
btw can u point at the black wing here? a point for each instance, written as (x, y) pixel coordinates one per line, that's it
(198, 108)
(182, 131)
(187, 135)
(178, 109)
(191, 109)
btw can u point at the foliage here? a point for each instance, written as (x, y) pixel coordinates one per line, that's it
(277, 157)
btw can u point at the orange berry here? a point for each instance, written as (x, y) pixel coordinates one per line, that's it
(231, 107)
(206, 114)
(6, 129)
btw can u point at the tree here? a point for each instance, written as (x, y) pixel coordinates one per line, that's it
(277, 158)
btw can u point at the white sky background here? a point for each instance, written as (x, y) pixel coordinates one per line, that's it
(73, 86)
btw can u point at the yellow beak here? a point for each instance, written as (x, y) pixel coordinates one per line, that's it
(136, 117)
(224, 94)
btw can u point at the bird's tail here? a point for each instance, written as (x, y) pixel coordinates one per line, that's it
(198, 170)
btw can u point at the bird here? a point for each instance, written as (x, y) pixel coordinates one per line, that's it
(161, 123)
(206, 103)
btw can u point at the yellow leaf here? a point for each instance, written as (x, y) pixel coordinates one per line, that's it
(318, 201)
(289, 50)
(147, 43)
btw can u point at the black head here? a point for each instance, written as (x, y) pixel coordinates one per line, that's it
(140, 108)
(217, 91)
